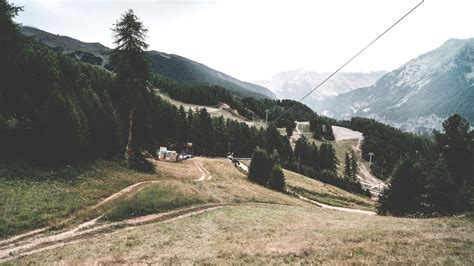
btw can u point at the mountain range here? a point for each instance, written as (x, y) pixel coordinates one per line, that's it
(297, 83)
(172, 66)
(419, 95)
(416, 97)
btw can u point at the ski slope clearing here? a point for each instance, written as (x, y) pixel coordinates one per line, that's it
(352, 140)
(222, 109)
(342, 133)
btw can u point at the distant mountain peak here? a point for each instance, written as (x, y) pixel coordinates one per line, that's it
(419, 94)
(293, 84)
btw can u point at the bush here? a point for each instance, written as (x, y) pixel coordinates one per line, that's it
(260, 166)
(403, 195)
(277, 179)
(265, 171)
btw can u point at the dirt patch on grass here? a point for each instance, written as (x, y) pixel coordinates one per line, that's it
(272, 234)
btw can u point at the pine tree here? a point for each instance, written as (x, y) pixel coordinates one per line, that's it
(327, 157)
(314, 157)
(403, 194)
(454, 144)
(318, 132)
(277, 179)
(181, 126)
(347, 166)
(273, 139)
(205, 133)
(441, 193)
(8, 28)
(329, 135)
(354, 166)
(299, 148)
(260, 167)
(132, 68)
(290, 126)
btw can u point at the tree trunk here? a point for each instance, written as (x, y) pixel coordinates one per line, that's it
(128, 148)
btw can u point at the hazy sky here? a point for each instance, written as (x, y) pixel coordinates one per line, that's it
(255, 39)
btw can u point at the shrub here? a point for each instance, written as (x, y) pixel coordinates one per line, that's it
(260, 166)
(265, 171)
(277, 179)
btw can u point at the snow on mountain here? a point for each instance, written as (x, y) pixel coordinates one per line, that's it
(296, 83)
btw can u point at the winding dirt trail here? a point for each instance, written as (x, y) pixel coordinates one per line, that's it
(33, 234)
(205, 174)
(41, 236)
(325, 206)
(244, 167)
(41, 243)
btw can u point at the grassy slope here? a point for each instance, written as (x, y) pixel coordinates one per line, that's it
(154, 199)
(32, 197)
(38, 197)
(325, 193)
(276, 234)
(249, 229)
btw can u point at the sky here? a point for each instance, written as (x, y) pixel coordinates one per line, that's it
(253, 40)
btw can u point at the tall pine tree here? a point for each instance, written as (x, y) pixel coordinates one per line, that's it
(354, 165)
(132, 69)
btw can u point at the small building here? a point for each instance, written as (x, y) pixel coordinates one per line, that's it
(165, 154)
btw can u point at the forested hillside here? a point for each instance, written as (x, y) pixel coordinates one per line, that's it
(427, 175)
(388, 144)
(52, 106)
(174, 67)
(187, 71)
(56, 108)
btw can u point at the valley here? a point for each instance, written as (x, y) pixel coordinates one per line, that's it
(120, 154)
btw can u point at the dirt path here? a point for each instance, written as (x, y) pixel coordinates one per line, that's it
(41, 243)
(322, 205)
(296, 135)
(205, 174)
(325, 206)
(32, 234)
(43, 238)
(124, 191)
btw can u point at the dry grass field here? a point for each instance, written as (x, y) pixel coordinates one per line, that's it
(236, 221)
(267, 233)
